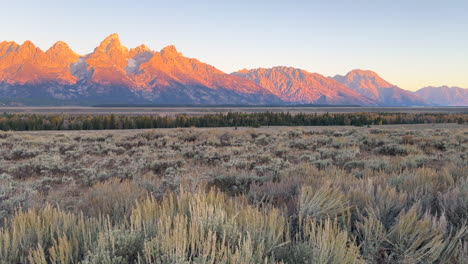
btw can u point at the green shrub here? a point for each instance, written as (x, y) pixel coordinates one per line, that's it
(160, 166)
(392, 150)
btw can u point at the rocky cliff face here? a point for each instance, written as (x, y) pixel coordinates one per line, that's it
(113, 74)
(299, 86)
(27, 64)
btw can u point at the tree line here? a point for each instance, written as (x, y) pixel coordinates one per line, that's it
(29, 122)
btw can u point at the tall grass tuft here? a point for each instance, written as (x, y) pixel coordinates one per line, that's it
(326, 202)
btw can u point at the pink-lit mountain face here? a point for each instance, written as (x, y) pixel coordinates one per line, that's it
(115, 74)
(370, 84)
(444, 95)
(299, 86)
(27, 64)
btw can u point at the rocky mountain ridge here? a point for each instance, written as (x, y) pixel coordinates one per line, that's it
(113, 73)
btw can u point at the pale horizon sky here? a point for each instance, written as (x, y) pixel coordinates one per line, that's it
(409, 43)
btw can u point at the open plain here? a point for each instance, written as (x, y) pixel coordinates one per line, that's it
(379, 194)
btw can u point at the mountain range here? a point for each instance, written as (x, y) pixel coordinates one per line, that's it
(444, 95)
(369, 84)
(114, 74)
(299, 86)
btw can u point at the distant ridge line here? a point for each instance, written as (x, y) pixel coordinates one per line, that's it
(137, 77)
(220, 105)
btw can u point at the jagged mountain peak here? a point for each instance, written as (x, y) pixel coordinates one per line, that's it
(362, 72)
(29, 65)
(8, 46)
(139, 49)
(109, 54)
(243, 71)
(28, 43)
(113, 73)
(284, 68)
(114, 37)
(275, 70)
(170, 51)
(365, 77)
(4, 43)
(290, 70)
(111, 44)
(61, 54)
(28, 47)
(300, 86)
(60, 47)
(370, 84)
(137, 56)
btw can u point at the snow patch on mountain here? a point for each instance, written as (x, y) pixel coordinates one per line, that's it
(80, 69)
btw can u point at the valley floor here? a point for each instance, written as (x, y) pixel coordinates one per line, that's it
(379, 194)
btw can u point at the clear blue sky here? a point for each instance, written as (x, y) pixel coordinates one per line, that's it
(410, 43)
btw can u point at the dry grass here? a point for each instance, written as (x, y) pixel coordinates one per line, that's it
(283, 195)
